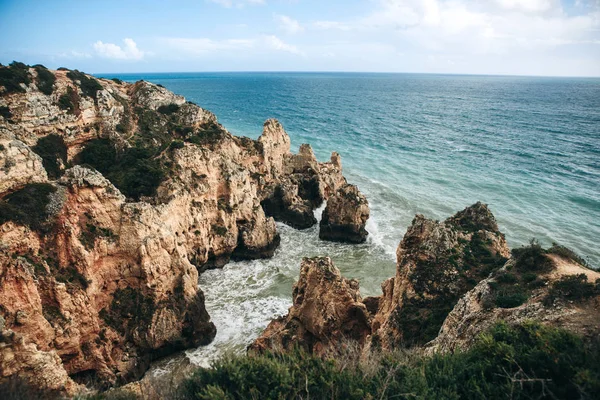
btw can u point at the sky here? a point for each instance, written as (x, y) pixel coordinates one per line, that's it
(506, 37)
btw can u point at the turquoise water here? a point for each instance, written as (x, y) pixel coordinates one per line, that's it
(430, 144)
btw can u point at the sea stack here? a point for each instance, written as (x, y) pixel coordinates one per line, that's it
(345, 216)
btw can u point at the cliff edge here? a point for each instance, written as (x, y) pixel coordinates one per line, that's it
(113, 198)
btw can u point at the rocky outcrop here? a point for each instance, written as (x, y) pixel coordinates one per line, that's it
(99, 268)
(327, 310)
(566, 296)
(105, 288)
(306, 183)
(32, 368)
(345, 216)
(454, 281)
(437, 263)
(19, 165)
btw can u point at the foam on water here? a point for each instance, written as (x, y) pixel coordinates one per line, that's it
(243, 297)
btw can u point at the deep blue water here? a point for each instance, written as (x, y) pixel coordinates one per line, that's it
(430, 144)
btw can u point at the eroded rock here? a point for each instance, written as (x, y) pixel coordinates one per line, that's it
(110, 281)
(327, 311)
(345, 216)
(437, 263)
(516, 296)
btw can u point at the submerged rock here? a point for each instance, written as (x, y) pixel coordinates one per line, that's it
(345, 216)
(327, 311)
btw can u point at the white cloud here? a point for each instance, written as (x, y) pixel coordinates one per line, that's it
(202, 46)
(529, 6)
(476, 27)
(485, 36)
(275, 43)
(288, 24)
(129, 51)
(332, 25)
(238, 3)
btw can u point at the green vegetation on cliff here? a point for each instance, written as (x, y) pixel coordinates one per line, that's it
(523, 362)
(513, 286)
(13, 76)
(129, 309)
(45, 79)
(53, 150)
(89, 86)
(69, 101)
(134, 171)
(28, 206)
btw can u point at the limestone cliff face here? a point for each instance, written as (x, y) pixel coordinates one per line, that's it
(327, 310)
(479, 309)
(99, 264)
(19, 165)
(454, 280)
(345, 216)
(438, 262)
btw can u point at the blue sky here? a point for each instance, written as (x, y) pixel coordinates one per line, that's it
(516, 37)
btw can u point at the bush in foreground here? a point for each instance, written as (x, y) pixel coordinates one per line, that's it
(523, 362)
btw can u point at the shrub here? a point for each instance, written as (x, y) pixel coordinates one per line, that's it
(13, 76)
(133, 170)
(28, 206)
(478, 257)
(574, 288)
(5, 113)
(117, 80)
(53, 150)
(176, 144)
(532, 258)
(45, 80)
(100, 154)
(14, 387)
(91, 232)
(521, 362)
(129, 309)
(510, 298)
(567, 253)
(168, 109)
(69, 101)
(207, 134)
(89, 86)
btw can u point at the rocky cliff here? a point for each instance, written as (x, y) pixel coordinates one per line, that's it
(345, 216)
(113, 197)
(327, 309)
(544, 286)
(454, 280)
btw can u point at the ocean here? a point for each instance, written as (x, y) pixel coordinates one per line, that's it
(529, 147)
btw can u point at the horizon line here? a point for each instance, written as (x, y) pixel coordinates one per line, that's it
(350, 72)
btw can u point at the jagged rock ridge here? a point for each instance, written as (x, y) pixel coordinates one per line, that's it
(453, 282)
(345, 216)
(99, 262)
